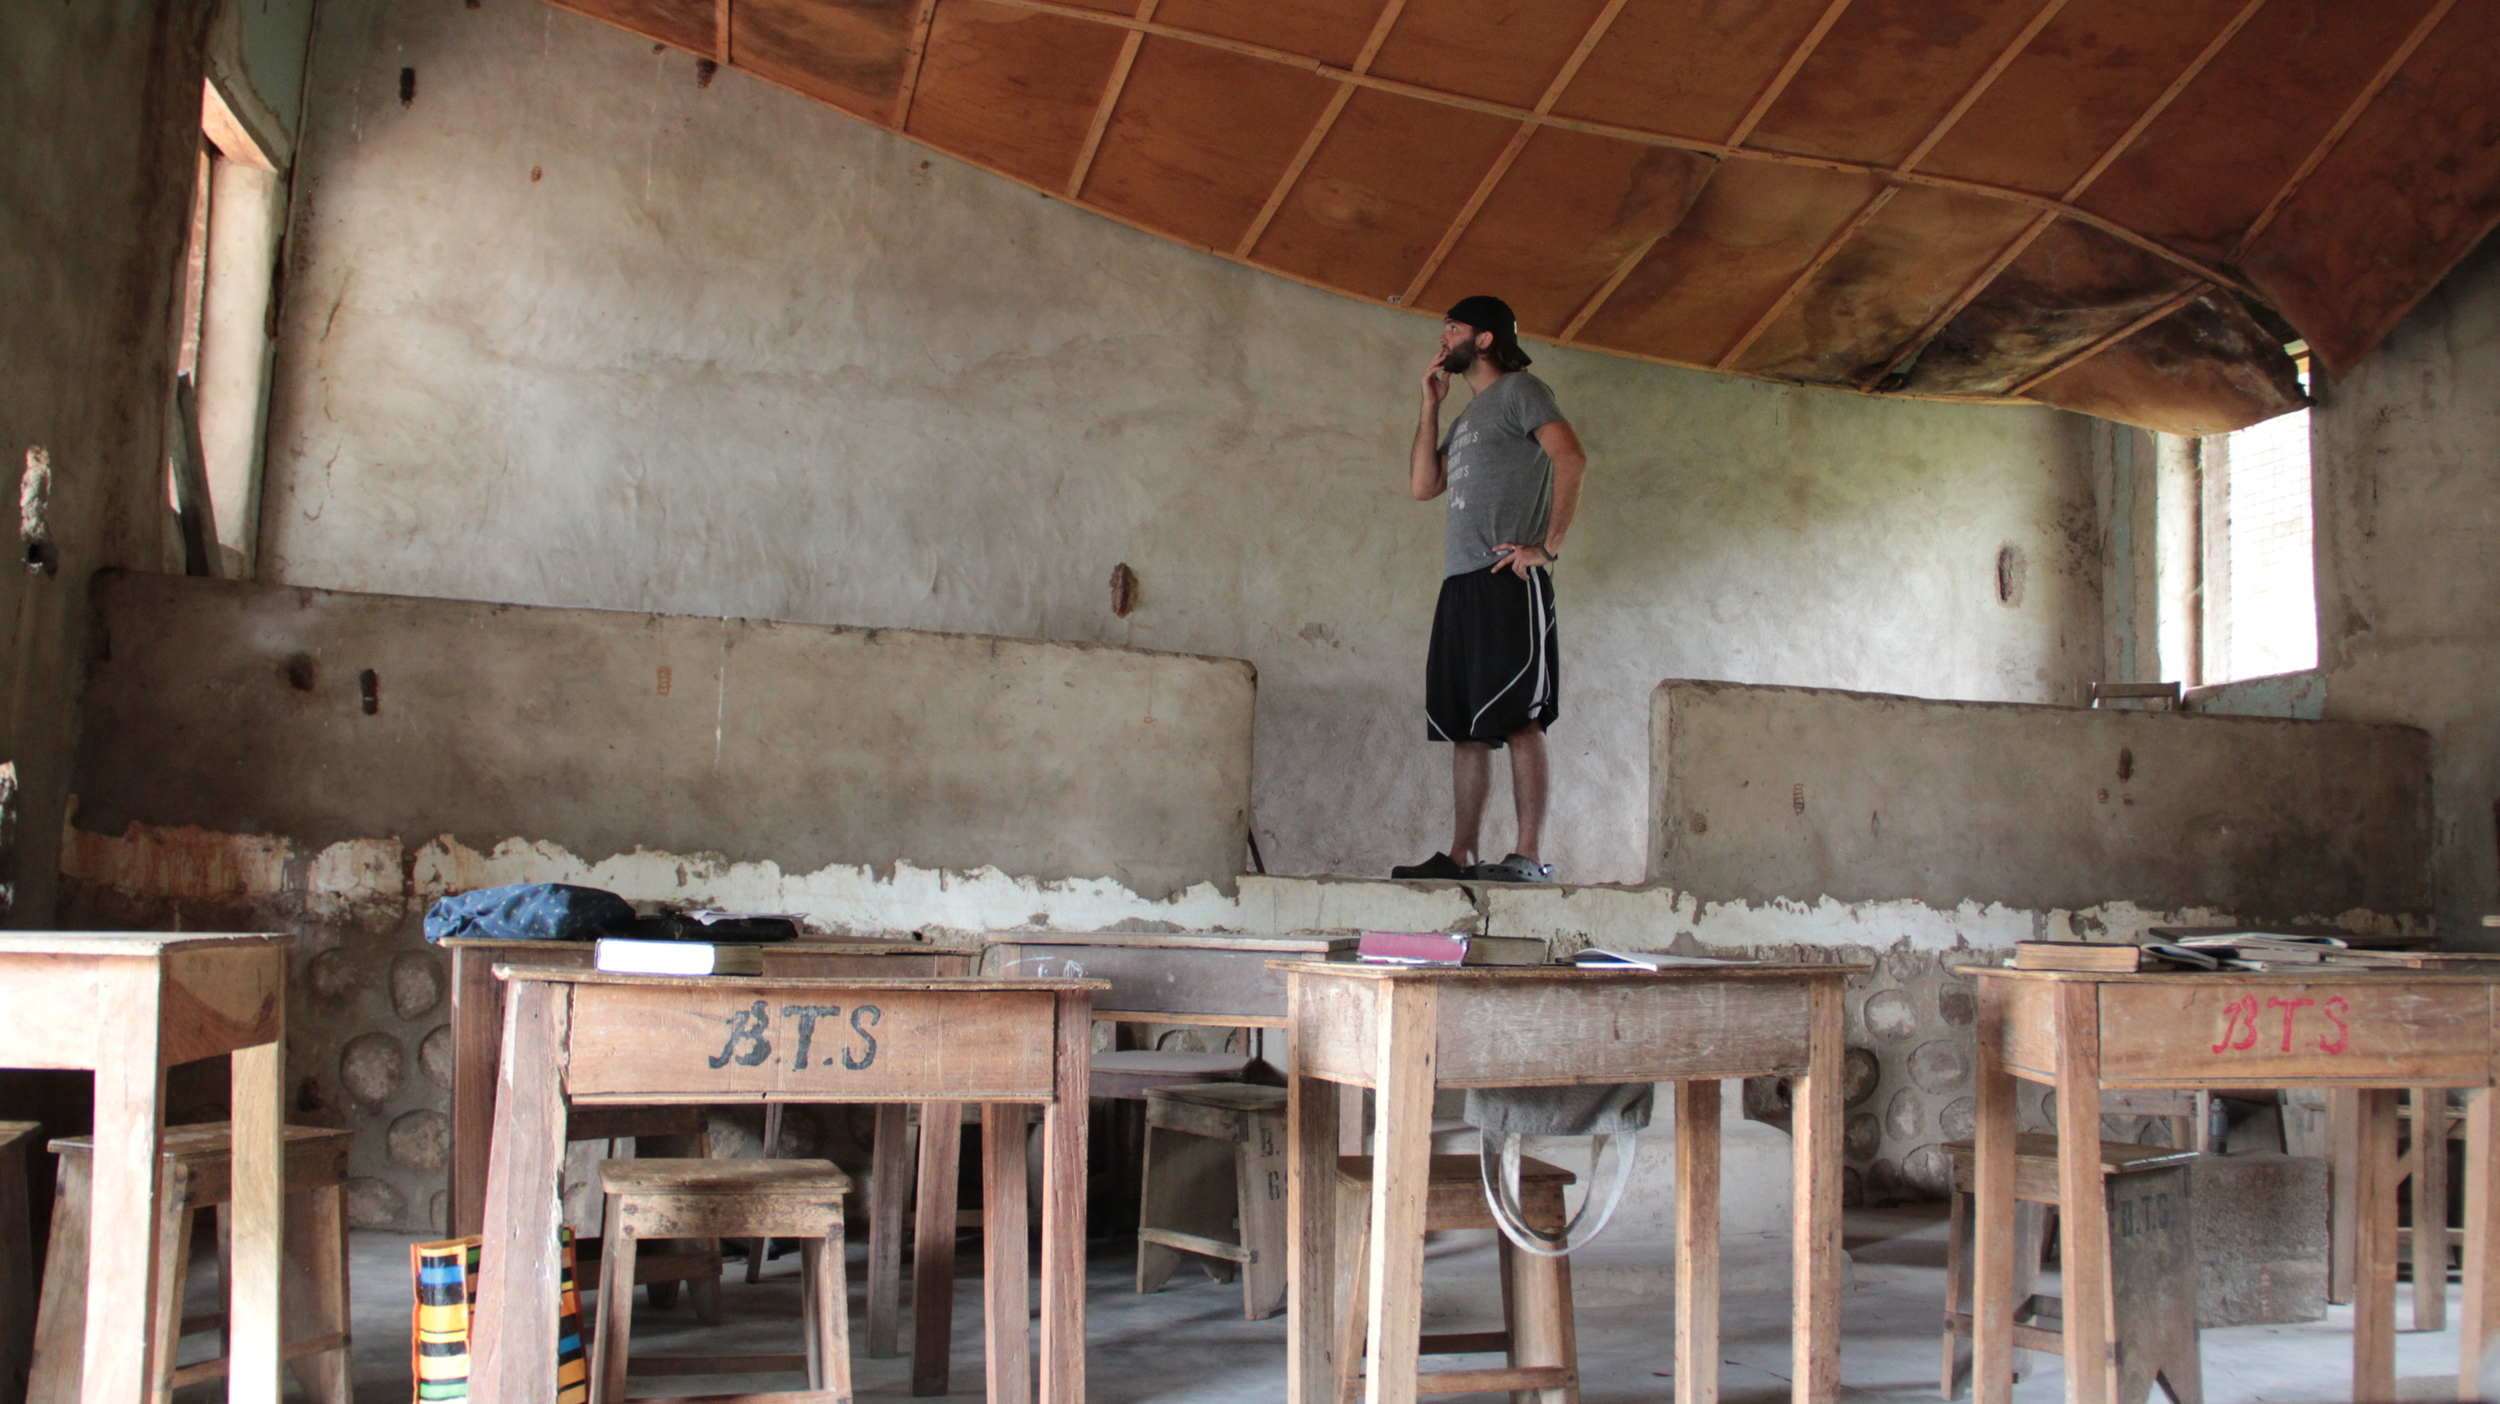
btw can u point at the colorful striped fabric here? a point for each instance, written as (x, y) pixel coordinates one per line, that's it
(446, 1279)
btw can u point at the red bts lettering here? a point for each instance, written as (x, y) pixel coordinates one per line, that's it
(2289, 1008)
(2240, 1018)
(2334, 1009)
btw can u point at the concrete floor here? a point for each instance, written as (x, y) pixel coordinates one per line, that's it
(1189, 1345)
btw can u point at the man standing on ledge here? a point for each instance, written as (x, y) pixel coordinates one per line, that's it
(1512, 468)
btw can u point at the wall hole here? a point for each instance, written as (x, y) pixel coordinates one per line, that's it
(34, 513)
(407, 87)
(369, 683)
(301, 672)
(2010, 570)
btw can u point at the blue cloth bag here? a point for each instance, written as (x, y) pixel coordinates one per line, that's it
(528, 911)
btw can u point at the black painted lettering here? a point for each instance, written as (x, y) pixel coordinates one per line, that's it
(807, 1015)
(873, 1015)
(747, 1026)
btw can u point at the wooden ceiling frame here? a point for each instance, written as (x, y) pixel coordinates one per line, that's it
(2352, 113)
(916, 49)
(1510, 153)
(2165, 308)
(720, 33)
(1635, 135)
(1744, 128)
(1110, 99)
(1386, 21)
(1867, 212)
(1917, 345)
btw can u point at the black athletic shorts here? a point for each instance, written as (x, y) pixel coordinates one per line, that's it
(1492, 672)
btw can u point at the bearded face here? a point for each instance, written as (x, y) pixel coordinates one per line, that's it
(1458, 359)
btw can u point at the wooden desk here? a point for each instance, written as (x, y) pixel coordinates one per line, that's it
(128, 1006)
(2366, 1033)
(580, 1037)
(1404, 1031)
(1167, 977)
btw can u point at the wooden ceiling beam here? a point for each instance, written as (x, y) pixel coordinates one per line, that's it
(1110, 99)
(1634, 135)
(914, 50)
(2343, 124)
(720, 33)
(1917, 345)
(1510, 152)
(1938, 131)
(2166, 307)
(1301, 162)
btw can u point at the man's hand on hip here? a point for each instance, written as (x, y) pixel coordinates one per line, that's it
(1519, 560)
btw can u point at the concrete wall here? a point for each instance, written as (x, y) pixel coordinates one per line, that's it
(2406, 459)
(99, 126)
(319, 717)
(575, 329)
(1792, 793)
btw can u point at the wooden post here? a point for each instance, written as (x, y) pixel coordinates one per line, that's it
(1815, 1346)
(256, 1208)
(1063, 1204)
(1312, 1130)
(1696, 1242)
(933, 1247)
(2343, 1120)
(2082, 1203)
(2374, 1250)
(513, 1351)
(17, 1261)
(120, 1363)
(2480, 1309)
(2430, 1209)
(1006, 1296)
(1992, 1208)
(476, 1039)
(889, 1166)
(1407, 1037)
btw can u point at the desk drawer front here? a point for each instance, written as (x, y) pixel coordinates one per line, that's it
(1634, 1031)
(732, 1041)
(2369, 1028)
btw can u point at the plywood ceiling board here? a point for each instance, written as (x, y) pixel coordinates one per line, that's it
(1331, 31)
(1572, 208)
(1179, 156)
(1754, 229)
(849, 55)
(684, 24)
(2419, 171)
(1687, 69)
(2204, 171)
(2073, 286)
(978, 54)
(1887, 73)
(1887, 283)
(1504, 51)
(2076, 89)
(1374, 201)
(2206, 369)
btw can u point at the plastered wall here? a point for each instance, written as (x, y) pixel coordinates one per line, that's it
(571, 327)
(2406, 458)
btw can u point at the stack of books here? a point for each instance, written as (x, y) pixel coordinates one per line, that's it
(1448, 948)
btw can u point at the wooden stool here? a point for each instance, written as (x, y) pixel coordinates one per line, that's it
(1214, 1185)
(2152, 1265)
(17, 1260)
(673, 1131)
(1537, 1335)
(718, 1199)
(197, 1165)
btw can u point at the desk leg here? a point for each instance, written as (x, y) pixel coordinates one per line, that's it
(1311, 1143)
(476, 1051)
(512, 1353)
(1063, 1204)
(1992, 1210)
(1815, 1124)
(2480, 1308)
(257, 1211)
(2374, 1249)
(1408, 1039)
(2343, 1148)
(933, 1247)
(124, 1199)
(1697, 1242)
(2082, 1206)
(889, 1165)
(1006, 1301)
(2430, 1208)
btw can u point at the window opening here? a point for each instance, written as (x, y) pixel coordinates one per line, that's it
(2260, 587)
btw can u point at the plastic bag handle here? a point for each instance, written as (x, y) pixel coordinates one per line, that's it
(1501, 1192)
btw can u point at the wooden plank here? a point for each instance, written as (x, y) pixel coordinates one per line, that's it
(513, 1348)
(890, 1159)
(1260, 1173)
(2343, 1134)
(1005, 1287)
(48, 1004)
(1196, 1243)
(808, 1040)
(17, 1261)
(1062, 1350)
(2374, 1252)
(1153, 980)
(2479, 1310)
(2430, 1208)
(2382, 1027)
(1333, 1029)
(1110, 100)
(1518, 1034)
(125, 1194)
(2083, 1207)
(2160, 310)
(914, 53)
(1697, 1242)
(1406, 1034)
(254, 1319)
(218, 998)
(476, 1044)
(1312, 1132)
(933, 1248)
(1816, 1154)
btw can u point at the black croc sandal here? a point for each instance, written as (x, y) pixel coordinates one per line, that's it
(1440, 867)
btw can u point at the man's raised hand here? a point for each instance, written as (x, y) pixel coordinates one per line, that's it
(1436, 380)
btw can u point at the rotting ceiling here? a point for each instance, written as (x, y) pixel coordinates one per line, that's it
(2123, 207)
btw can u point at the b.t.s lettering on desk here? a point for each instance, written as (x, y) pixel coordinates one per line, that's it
(750, 1042)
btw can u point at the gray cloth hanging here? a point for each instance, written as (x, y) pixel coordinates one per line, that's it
(1613, 1113)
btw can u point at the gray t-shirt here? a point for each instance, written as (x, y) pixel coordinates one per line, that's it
(1501, 483)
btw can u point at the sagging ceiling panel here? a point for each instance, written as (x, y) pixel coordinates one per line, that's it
(2125, 207)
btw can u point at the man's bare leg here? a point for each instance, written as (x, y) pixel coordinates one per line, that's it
(1527, 789)
(1471, 778)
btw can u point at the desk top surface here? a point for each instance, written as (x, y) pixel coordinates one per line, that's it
(962, 984)
(2483, 973)
(130, 943)
(1570, 974)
